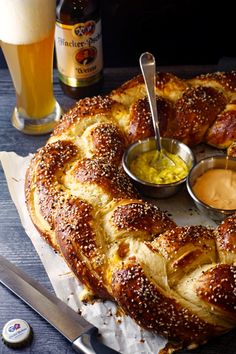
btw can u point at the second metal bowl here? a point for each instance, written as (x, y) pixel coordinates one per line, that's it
(221, 162)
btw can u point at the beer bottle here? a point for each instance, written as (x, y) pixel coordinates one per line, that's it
(78, 43)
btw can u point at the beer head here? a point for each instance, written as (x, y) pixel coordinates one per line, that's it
(27, 21)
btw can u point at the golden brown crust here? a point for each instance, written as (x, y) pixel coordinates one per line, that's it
(226, 240)
(108, 142)
(223, 131)
(184, 246)
(48, 164)
(141, 216)
(82, 109)
(223, 80)
(187, 108)
(196, 110)
(149, 306)
(231, 151)
(176, 281)
(141, 126)
(170, 86)
(216, 286)
(76, 235)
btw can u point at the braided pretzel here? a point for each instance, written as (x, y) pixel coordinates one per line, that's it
(176, 281)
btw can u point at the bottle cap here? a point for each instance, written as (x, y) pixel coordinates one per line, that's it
(16, 333)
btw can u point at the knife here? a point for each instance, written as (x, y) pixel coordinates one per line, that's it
(80, 333)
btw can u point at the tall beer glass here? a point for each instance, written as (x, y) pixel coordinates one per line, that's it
(27, 41)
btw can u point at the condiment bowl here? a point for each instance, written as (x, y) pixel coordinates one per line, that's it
(213, 162)
(153, 190)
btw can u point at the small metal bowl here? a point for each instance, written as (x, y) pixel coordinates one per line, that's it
(151, 189)
(223, 162)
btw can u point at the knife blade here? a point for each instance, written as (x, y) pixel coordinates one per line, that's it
(79, 332)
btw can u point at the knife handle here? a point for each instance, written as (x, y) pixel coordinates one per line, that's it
(88, 343)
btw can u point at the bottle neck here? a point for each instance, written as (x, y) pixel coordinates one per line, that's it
(74, 11)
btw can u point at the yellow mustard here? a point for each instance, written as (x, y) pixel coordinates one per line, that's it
(147, 167)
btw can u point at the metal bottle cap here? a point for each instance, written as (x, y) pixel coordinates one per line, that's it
(16, 333)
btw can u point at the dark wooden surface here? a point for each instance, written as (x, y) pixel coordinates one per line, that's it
(15, 244)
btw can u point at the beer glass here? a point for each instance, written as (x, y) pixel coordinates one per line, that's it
(27, 41)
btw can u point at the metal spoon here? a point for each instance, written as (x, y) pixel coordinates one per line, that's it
(148, 68)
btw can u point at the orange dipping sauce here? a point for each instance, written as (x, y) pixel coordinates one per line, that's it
(217, 188)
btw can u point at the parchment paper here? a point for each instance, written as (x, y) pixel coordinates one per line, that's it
(120, 333)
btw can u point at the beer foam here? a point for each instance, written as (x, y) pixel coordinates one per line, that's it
(26, 21)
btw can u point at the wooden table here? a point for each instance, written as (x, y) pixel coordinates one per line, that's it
(16, 246)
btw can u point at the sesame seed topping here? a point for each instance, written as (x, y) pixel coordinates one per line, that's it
(178, 281)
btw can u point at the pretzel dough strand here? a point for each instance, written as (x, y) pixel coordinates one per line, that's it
(176, 281)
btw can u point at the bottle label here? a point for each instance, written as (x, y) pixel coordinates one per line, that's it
(79, 52)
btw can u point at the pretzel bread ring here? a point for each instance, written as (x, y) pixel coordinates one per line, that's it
(179, 282)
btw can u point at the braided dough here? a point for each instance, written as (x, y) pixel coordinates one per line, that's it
(176, 281)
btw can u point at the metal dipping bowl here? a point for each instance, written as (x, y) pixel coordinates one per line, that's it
(153, 190)
(222, 162)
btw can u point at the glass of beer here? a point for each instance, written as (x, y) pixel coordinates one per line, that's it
(27, 41)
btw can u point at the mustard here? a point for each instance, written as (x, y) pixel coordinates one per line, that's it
(171, 168)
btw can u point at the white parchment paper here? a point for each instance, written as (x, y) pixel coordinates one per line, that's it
(120, 333)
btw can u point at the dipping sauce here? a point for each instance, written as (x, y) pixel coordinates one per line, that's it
(217, 188)
(147, 168)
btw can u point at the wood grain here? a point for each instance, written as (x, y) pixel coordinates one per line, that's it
(15, 244)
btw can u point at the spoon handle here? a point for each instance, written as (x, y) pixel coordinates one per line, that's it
(148, 68)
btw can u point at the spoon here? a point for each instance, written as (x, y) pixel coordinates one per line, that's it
(148, 68)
